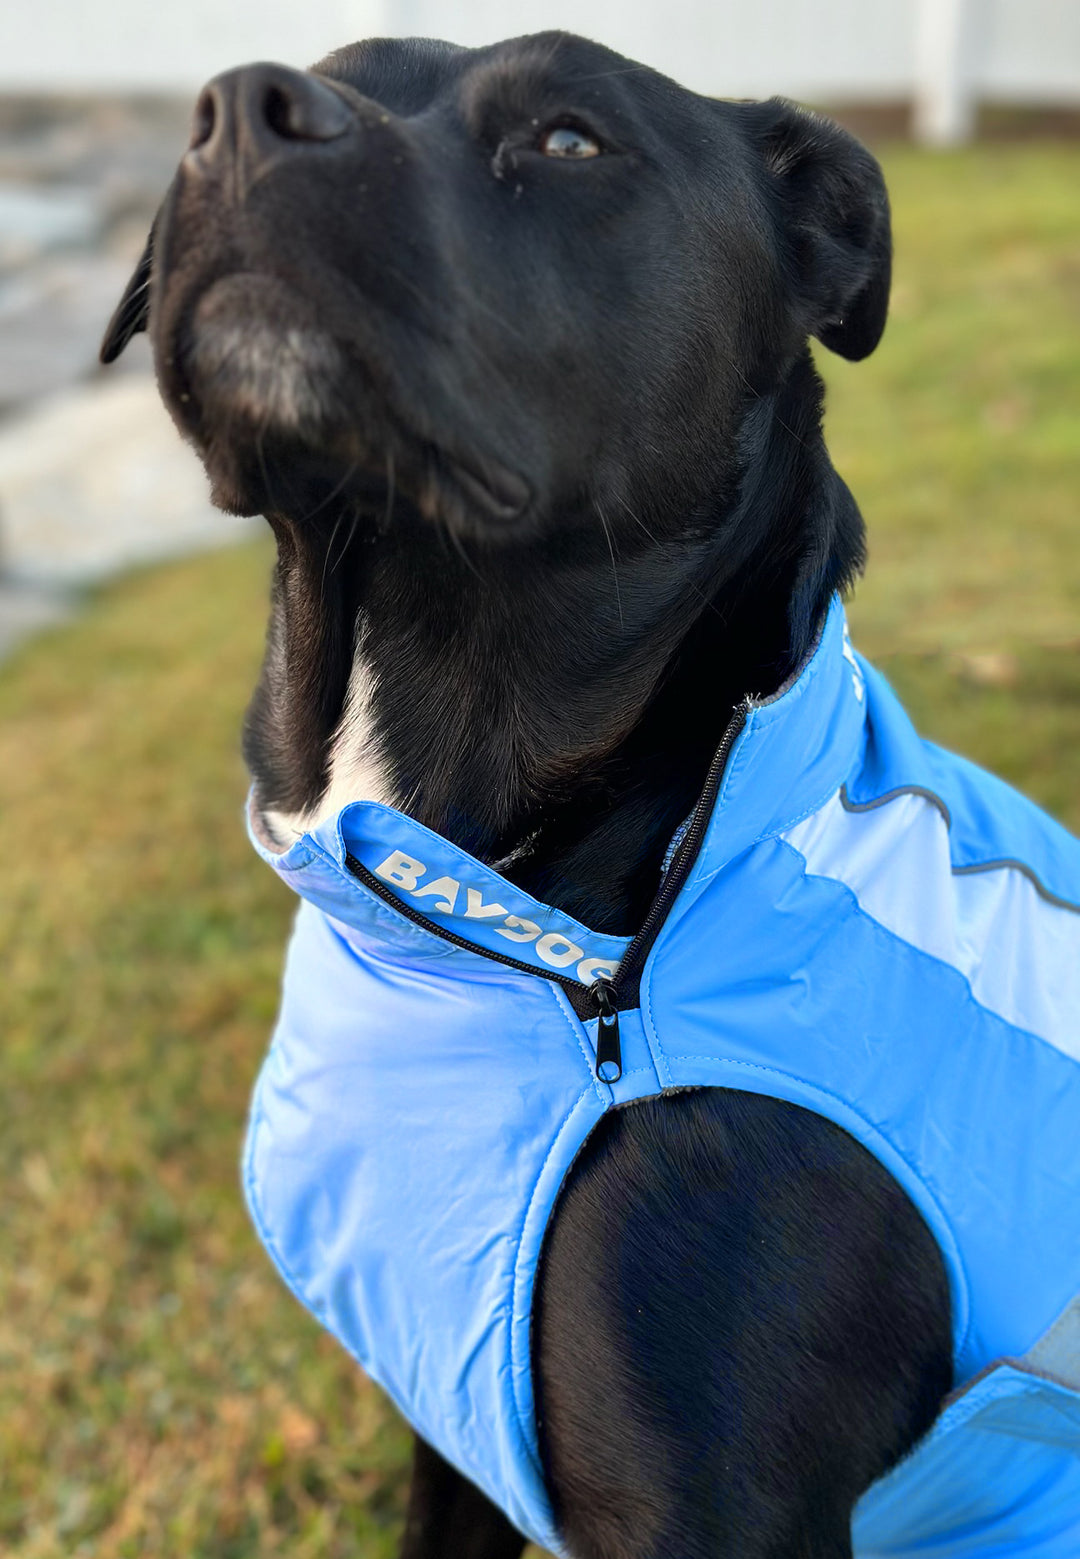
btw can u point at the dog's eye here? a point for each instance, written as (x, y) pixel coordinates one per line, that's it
(568, 141)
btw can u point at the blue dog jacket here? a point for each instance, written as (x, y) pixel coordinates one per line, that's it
(864, 925)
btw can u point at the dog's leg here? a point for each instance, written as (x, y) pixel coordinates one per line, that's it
(449, 1518)
(741, 1322)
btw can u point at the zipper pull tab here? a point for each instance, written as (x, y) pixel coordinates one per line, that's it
(608, 1048)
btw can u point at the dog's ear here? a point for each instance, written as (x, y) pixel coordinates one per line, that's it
(133, 310)
(834, 212)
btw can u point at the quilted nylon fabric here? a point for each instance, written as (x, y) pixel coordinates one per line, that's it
(860, 934)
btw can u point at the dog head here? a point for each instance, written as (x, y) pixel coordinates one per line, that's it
(495, 280)
(538, 302)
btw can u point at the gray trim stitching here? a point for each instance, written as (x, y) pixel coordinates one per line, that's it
(891, 795)
(1019, 866)
(1006, 863)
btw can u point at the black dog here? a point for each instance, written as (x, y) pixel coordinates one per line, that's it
(510, 346)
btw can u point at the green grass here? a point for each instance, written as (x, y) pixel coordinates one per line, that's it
(961, 435)
(160, 1393)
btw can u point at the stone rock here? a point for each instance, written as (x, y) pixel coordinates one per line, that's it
(35, 220)
(52, 318)
(97, 479)
(114, 146)
(79, 183)
(93, 476)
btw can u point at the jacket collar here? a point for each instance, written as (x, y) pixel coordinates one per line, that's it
(794, 751)
(431, 877)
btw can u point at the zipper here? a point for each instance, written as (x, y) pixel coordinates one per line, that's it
(604, 998)
(608, 1047)
(379, 888)
(627, 979)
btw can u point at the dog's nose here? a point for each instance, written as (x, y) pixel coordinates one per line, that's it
(264, 111)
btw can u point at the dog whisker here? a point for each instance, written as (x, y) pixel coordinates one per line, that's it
(332, 494)
(260, 455)
(758, 396)
(353, 524)
(458, 543)
(329, 550)
(614, 569)
(707, 602)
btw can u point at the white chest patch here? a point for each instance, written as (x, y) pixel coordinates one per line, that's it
(356, 770)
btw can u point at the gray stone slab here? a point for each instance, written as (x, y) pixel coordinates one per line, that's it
(95, 480)
(112, 144)
(52, 317)
(36, 219)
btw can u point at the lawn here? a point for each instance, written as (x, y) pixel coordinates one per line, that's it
(160, 1393)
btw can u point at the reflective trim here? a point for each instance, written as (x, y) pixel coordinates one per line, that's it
(891, 795)
(1008, 864)
(1017, 946)
(979, 866)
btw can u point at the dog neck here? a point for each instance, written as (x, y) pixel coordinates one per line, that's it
(551, 708)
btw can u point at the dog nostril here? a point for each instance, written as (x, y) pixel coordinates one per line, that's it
(204, 119)
(208, 111)
(297, 108)
(258, 110)
(279, 113)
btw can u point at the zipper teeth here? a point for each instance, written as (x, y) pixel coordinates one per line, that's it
(685, 855)
(637, 952)
(369, 879)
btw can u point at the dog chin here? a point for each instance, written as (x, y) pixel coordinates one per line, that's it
(274, 378)
(260, 383)
(255, 354)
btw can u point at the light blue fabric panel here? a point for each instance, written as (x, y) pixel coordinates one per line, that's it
(998, 1477)
(1018, 950)
(392, 1190)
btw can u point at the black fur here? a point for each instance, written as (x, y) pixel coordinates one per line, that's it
(541, 442)
(739, 1317)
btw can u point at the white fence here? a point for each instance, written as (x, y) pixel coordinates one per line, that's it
(945, 54)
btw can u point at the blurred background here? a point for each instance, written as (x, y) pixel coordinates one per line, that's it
(160, 1394)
